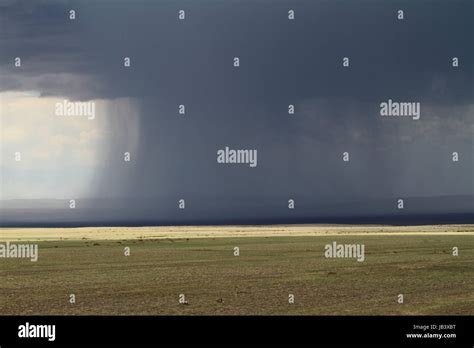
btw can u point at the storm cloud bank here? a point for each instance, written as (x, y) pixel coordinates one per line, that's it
(312, 116)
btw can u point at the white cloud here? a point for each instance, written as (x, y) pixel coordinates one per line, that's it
(59, 153)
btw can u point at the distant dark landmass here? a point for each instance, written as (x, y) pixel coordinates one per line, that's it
(222, 211)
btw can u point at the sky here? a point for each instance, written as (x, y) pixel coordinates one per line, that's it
(190, 62)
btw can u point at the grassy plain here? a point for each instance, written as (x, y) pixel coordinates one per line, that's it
(274, 261)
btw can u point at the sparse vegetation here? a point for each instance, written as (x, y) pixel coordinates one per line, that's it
(259, 281)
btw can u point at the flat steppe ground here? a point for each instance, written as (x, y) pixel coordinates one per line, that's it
(274, 262)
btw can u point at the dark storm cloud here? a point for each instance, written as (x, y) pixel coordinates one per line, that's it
(299, 59)
(282, 62)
